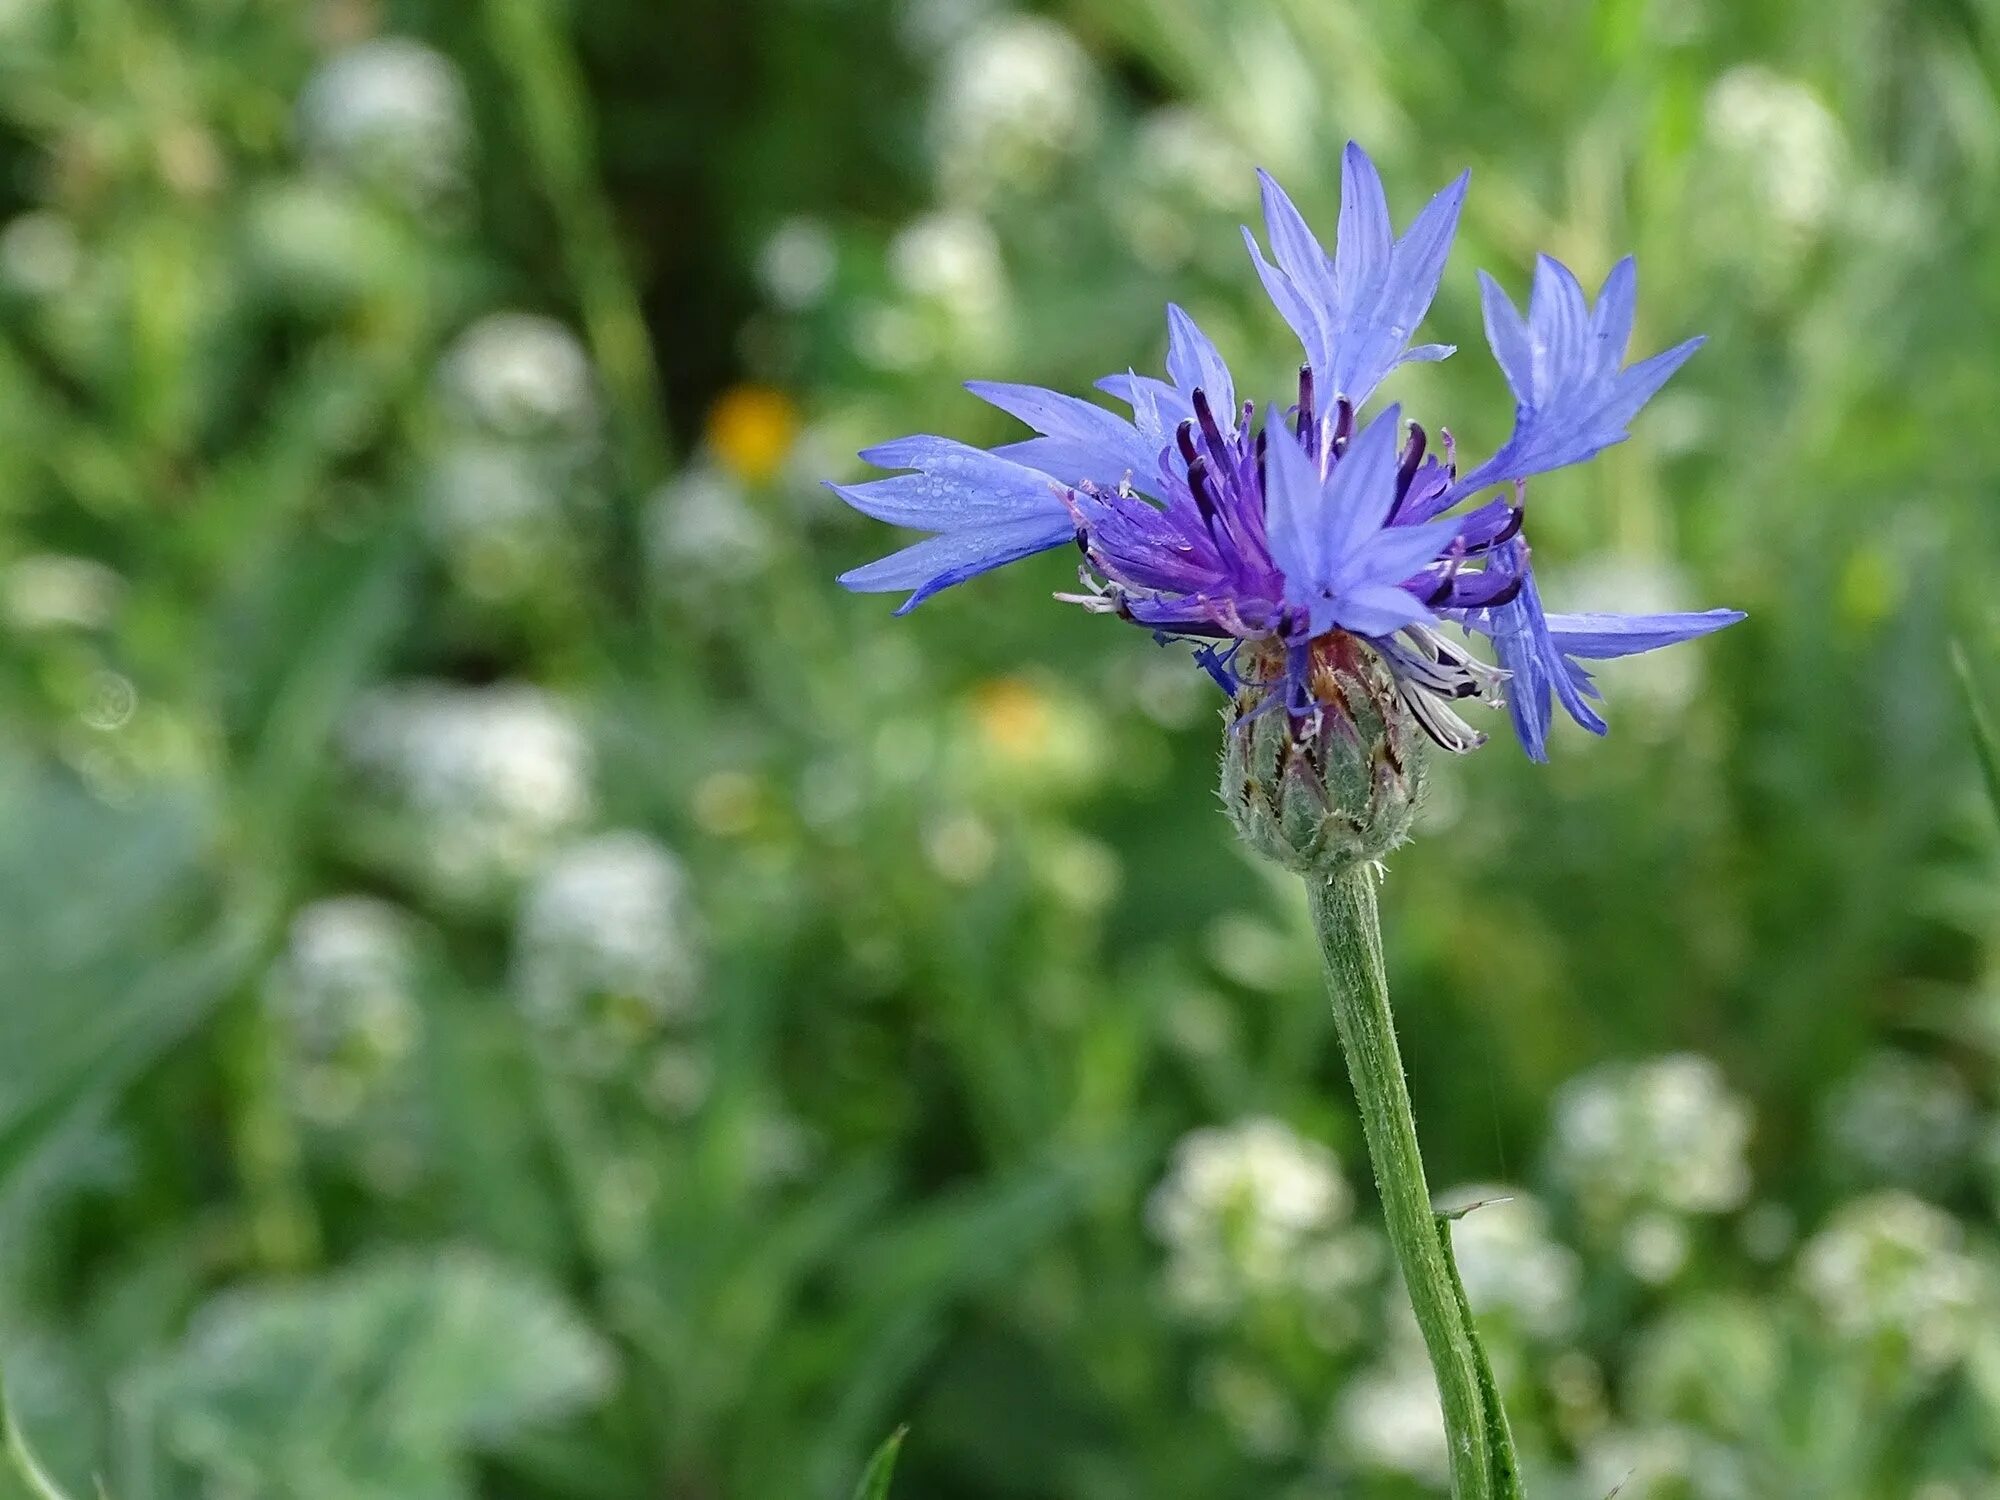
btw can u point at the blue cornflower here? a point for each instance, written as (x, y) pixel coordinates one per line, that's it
(1289, 535)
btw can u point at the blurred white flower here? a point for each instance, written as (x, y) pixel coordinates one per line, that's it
(1248, 1211)
(797, 263)
(606, 941)
(1901, 1119)
(961, 846)
(522, 376)
(39, 254)
(1655, 1246)
(1770, 181)
(678, 1075)
(53, 590)
(1663, 1462)
(1185, 171)
(701, 531)
(1181, 148)
(1163, 689)
(1787, 144)
(392, 112)
(891, 338)
(495, 513)
(1247, 950)
(322, 244)
(1510, 1262)
(21, 20)
(948, 265)
(1710, 1359)
(342, 995)
(951, 258)
(478, 783)
(1014, 96)
(778, 1147)
(623, 1194)
(1638, 1141)
(1389, 1417)
(1252, 1403)
(1891, 1271)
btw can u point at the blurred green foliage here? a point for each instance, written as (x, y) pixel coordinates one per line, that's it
(515, 985)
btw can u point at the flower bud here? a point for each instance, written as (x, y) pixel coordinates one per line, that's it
(1322, 790)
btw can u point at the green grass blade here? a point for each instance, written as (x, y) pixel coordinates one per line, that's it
(21, 1457)
(1985, 743)
(874, 1482)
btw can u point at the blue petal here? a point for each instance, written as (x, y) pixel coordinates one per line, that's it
(1294, 499)
(1326, 534)
(1398, 553)
(958, 486)
(938, 562)
(1507, 335)
(1196, 365)
(1361, 491)
(1304, 264)
(1426, 354)
(1293, 306)
(1080, 440)
(1572, 401)
(986, 510)
(1537, 671)
(1356, 312)
(1363, 239)
(1602, 637)
(1540, 651)
(1157, 407)
(1392, 288)
(1378, 609)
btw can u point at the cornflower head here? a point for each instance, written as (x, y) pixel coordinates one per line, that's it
(1312, 555)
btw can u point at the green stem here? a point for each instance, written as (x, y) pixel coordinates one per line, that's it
(1350, 938)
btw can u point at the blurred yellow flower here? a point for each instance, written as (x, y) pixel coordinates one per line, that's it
(1013, 716)
(751, 429)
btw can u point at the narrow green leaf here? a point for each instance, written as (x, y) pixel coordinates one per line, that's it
(1985, 742)
(874, 1482)
(22, 1457)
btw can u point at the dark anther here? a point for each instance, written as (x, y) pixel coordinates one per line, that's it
(1205, 414)
(1343, 424)
(1501, 537)
(1306, 406)
(1263, 438)
(1413, 455)
(1197, 473)
(1506, 533)
(1508, 594)
(1447, 586)
(1184, 436)
(1083, 541)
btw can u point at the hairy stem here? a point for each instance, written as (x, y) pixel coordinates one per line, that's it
(1350, 938)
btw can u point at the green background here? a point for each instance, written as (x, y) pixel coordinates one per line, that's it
(765, 1022)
